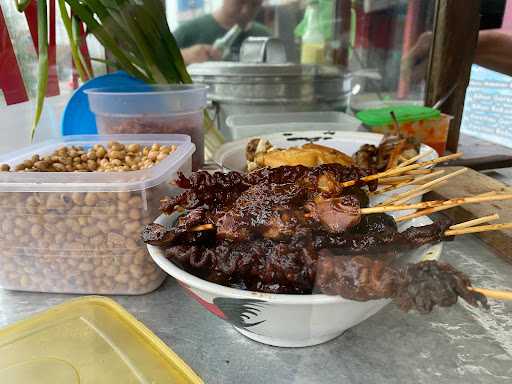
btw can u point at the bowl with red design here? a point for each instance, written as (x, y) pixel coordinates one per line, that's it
(281, 320)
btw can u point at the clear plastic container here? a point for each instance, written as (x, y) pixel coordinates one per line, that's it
(152, 109)
(250, 125)
(80, 232)
(432, 132)
(87, 340)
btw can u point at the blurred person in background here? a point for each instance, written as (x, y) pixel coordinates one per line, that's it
(196, 37)
(494, 49)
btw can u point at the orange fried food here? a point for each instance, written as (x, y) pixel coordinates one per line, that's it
(309, 155)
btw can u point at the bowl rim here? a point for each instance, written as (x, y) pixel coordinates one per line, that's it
(192, 281)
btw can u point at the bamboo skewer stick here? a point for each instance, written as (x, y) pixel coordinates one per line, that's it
(491, 196)
(398, 171)
(475, 222)
(493, 294)
(414, 159)
(418, 180)
(479, 229)
(395, 180)
(423, 187)
(435, 205)
(419, 192)
(419, 172)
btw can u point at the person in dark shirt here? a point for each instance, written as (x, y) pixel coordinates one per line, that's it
(196, 37)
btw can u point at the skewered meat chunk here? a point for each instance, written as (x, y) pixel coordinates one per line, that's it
(182, 232)
(368, 242)
(294, 230)
(220, 190)
(385, 155)
(298, 267)
(419, 286)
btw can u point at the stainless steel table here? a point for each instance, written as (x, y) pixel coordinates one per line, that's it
(456, 345)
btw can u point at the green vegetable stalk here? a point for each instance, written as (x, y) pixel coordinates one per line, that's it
(42, 83)
(137, 35)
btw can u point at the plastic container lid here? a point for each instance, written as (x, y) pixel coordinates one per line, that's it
(87, 340)
(345, 122)
(95, 181)
(404, 114)
(147, 100)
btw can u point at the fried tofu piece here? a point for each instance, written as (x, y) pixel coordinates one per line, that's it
(309, 155)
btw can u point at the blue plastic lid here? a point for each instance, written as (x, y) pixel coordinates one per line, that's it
(77, 118)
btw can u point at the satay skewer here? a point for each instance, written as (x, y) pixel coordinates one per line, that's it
(478, 229)
(430, 207)
(424, 188)
(416, 181)
(395, 180)
(416, 172)
(475, 222)
(417, 193)
(493, 294)
(402, 170)
(414, 159)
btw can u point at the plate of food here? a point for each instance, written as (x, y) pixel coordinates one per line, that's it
(313, 148)
(294, 256)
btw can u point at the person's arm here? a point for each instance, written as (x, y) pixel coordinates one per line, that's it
(200, 53)
(494, 50)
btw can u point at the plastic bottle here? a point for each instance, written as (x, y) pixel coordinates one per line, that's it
(313, 41)
(224, 43)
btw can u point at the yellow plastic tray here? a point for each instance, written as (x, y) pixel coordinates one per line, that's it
(90, 340)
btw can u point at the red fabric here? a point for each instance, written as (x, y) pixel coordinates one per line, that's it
(11, 81)
(31, 16)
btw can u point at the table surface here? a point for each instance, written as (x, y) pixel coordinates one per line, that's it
(456, 345)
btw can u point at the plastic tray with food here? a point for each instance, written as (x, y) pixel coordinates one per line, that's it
(73, 209)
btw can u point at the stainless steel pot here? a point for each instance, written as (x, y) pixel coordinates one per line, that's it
(238, 88)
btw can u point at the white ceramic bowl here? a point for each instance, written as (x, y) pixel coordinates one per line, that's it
(281, 320)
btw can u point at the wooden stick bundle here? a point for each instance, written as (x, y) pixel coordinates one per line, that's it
(417, 180)
(424, 187)
(414, 159)
(478, 229)
(430, 207)
(401, 170)
(475, 222)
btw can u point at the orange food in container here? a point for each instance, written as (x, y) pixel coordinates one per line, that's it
(428, 125)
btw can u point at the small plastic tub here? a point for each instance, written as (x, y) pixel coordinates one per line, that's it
(426, 124)
(80, 232)
(250, 125)
(150, 109)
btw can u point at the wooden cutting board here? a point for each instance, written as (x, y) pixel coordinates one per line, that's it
(474, 183)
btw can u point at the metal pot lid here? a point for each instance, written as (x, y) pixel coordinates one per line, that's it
(228, 68)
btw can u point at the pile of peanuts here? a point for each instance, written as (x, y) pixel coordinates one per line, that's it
(116, 157)
(82, 242)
